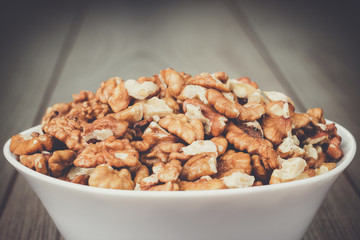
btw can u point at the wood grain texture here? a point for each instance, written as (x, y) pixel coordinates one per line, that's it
(32, 44)
(30, 32)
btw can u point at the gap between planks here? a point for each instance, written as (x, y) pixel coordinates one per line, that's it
(238, 15)
(71, 36)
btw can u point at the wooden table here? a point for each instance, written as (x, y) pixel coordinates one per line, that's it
(50, 50)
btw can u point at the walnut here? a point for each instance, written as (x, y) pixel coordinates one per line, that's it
(36, 161)
(202, 184)
(114, 93)
(300, 120)
(60, 160)
(141, 90)
(222, 104)
(238, 179)
(276, 124)
(57, 110)
(278, 96)
(308, 173)
(244, 88)
(79, 175)
(114, 152)
(160, 152)
(334, 150)
(221, 144)
(83, 96)
(174, 81)
(105, 176)
(193, 92)
(169, 186)
(168, 172)
(258, 169)
(200, 146)
(157, 107)
(179, 125)
(105, 127)
(214, 123)
(243, 140)
(316, 115)
(67, 131)
(257, 183)
(25, 145)
(131, 114)
(148, 182)
(207, 81)
(234, 162)
(314, 156)
(248, 112)
(199, 165)
(290, 169)
(246, 80)
(325, 167)
(141, 173)
(289, 148)
(221, 76)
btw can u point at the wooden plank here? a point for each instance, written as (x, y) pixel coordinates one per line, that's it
(293, 48)
(33, 34)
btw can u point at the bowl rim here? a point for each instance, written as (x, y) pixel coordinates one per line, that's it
(341, 165)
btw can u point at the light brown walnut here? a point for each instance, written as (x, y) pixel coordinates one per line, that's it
(105, 127)
(36, 161)
(207, 81)
(300, 120)
(169, 186)
(114, 152)
(25, 145)
(141, 173)
(247, 80)
(200, 165)
(181, 126)
(60, 160)
(168, 172)
(258, 170)
(221, 76)
(160, 152)
(214, 123)
(221, 144)
(131, 114)
(67, 131)
(83, 96)
(202, 184)
(105, 176)
(114, 93)
(173, 80)
(243, 140)
(316, 115)
(233, 161)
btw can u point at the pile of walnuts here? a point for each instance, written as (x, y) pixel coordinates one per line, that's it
(174, 131)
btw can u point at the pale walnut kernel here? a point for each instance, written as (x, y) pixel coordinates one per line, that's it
(289, 148)
(221, 76)
(25, 145)
(131, 114)
(156, 107)
(36, 161)
(214, 123)
(193, 92)
(238, 179)
(114, 93)
(199, 165)
(202, 184)
(200, 146)
(207, 81)
(179, 125)
(60, 160)
(141, 90)
(290, 169)
(114, 152)
(75, 174)
(105, 176)
(278, 96)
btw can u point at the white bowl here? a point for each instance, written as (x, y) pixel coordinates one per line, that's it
(282, 211)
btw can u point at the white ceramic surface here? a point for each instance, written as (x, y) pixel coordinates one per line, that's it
(282, 211)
